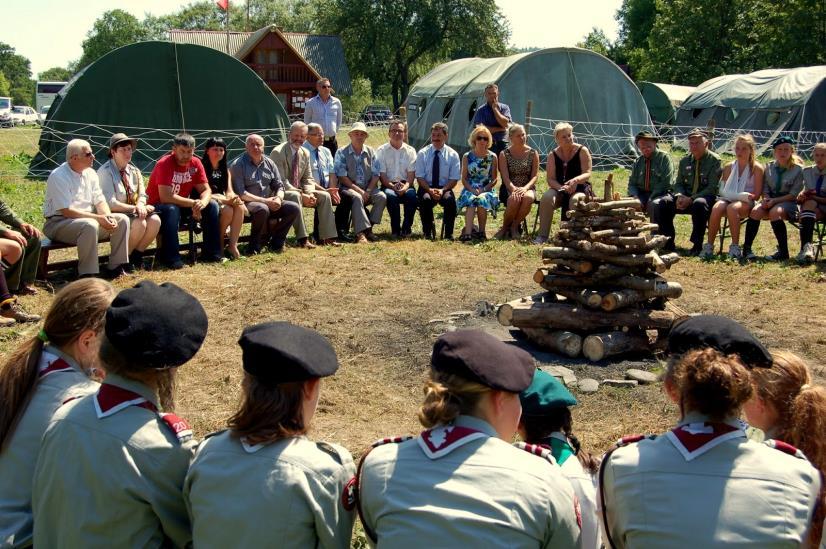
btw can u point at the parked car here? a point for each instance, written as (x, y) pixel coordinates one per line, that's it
(44, 112)
(23, 115)
(375, 114)
(5, 112)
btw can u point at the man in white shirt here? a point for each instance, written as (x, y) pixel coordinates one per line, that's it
(326, 110)
(397, 171)
(77, 213)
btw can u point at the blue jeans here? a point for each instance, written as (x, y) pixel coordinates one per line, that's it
(171, 216)
(408, 199)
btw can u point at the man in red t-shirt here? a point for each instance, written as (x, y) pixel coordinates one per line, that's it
(171, 184)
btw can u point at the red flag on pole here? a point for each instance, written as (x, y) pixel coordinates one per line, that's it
(223, 4)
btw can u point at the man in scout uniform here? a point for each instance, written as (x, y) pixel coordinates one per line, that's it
(264, 462)
(651, 181)
(112, 464)
(696, 186)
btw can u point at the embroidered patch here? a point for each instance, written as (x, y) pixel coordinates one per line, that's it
(348, 496)
(440, 441)
(58, 365)
(179, 426)
(695, 439)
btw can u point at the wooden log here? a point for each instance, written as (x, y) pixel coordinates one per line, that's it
(624, 203)
(565, 316)
(635, 282)
(609, 188)
(579, 200)
(569, 234)
(559, 341)
(589, 298)
(606, 272)
(505, 312)
(631, 231)
(670, 259)
(626, 241)
(621, 299)
(576, 266)
(595, 347)
(658, 264)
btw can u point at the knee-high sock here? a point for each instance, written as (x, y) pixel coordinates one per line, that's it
(807, 227)
(752, 226)
(779, 228)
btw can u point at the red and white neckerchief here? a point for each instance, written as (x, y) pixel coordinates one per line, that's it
(51, 364)
(442, 440)
(111, 399)
(695, 439)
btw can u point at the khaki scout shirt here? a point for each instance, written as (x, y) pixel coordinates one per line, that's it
(791, 181)
(660, 177)
(60, 378)
(286, 494)
(110, 472)
(729, 492)
(708, 182)
(467, 491)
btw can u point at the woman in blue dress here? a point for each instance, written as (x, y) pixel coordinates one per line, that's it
(479, 177)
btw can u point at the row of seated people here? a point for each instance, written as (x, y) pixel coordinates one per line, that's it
(91, 454)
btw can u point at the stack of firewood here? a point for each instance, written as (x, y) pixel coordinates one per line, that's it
(604, 290)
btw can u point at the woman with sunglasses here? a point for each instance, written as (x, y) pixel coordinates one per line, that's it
(479, 176)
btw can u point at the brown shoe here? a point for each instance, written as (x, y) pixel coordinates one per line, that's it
(4, 322)
(361, 239)
(15, 311)
(331, 242)
(25, 289)
(306, 244)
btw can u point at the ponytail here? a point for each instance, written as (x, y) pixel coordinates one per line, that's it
(540, 427)
(17, 381)
(446, 396)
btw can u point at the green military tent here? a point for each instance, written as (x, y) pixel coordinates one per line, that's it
(560, 84)
(153, 90)
(765, 103)
(662, 100)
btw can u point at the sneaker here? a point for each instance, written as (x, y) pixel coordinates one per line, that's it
(734, 252)
(707, 251)
(14, 311)
(807, 254)
(777, 256)
(5, 322)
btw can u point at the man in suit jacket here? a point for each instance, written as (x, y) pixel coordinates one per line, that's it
(293, 162)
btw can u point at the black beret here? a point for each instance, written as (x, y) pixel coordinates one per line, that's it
(478, 356)
(721, 333)
(783, 139)
(645, 134)
(156, 327)
(280, 352)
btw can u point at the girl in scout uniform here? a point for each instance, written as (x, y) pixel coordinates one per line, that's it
(285, 490)
(546, 421)
(812, 200)
(47, 370)
(461, 483)
(788, 406)
(782, 181)
(704, 484)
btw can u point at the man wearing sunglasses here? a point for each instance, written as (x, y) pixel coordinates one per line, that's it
(77, 213)
(324, 109)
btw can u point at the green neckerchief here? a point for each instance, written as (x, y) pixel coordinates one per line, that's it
(696, 175)
(560, 449)
(779, 179)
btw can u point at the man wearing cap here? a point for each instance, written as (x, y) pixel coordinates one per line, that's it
(122, 184)
(651, 181)
(77, 213)
(438, 169)
(397, 171)
(255, 178)
(496, 117)
(176, 177)
(112, 464)
(461, 483)
(358, 178)
(326, 110)
(703, 483)
(295, 489)
(293, 160)
(696, 186)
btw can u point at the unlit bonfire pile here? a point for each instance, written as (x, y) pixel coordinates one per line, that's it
(605, 293)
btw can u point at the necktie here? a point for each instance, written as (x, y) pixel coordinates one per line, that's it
(295, 170)
(435, 171)
(819, 185)
(647, 174)
(131, 197)
(321, 180)
(696, 177)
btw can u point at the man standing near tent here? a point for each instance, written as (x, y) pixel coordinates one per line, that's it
(171, 184)
(696, 186)
(495, 116)
(326, 110)
(651, 181)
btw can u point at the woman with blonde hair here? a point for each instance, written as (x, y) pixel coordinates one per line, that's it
(461, 483)
(519, 166)
(812, 200)
(783, 181)
(787, 405)
(479, 177)
(59, 364)
(742, 184)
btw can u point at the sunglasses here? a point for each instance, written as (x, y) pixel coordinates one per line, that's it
(481, 138)
(325, 87)
(86, 154)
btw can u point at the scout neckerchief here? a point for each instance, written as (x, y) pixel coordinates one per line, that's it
(51, 364)
(131, 196)
(111, 399)
(819, 185)
(778, 179)
(440, 441)
(696, 175)
(560, 447)
(695, 439)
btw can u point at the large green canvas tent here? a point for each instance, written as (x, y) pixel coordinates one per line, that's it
(151, 91)
(663, 100)
(561, 84)
(765, 103)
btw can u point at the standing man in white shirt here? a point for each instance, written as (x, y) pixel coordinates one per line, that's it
(324, 109)
(397, 172)
(77, 213)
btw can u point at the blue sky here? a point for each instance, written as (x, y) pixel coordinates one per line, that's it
(50, 32)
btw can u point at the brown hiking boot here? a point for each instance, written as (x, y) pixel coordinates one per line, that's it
(14, 311)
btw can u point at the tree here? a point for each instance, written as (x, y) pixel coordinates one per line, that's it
(5, 88)
(635, 19)
(55, 74)
(18, 73)
(393, 43)
(596, 41)
(112, 30)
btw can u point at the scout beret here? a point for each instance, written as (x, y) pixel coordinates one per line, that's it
(782, 140)
(697, 132)
(545, 393)
(280, 352)
(156, 326)
(478, 356)
(645, 134)
(721, 333)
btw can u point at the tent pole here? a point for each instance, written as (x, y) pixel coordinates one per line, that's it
(227, 25)
(528, 109)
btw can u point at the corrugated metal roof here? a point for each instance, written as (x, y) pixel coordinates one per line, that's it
(324, 53)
